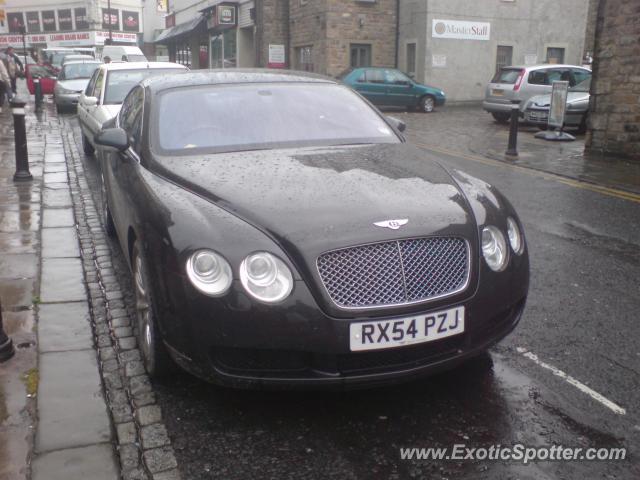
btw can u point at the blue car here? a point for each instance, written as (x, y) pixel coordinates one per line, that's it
(391, 87)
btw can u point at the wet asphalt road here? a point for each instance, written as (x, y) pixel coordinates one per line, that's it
(581, 317)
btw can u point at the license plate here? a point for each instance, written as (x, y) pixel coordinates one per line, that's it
(538, 116)
(406, 331)
(498, 93)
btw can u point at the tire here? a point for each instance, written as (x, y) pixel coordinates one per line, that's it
(427, 104)
(87, 148)
(501, 117)
(58, 109)
(582, 128)
(155, 357)
(107, 219)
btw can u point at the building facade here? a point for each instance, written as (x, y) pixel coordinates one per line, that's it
(459, 45)
(324, 36)
(70, 23)
(615, 91)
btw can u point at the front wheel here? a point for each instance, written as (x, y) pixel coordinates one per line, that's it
(154, 354)
(107, 219)
(87, 148)
(427, 104)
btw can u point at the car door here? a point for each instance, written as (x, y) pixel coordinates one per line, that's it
(399, 90)
(124, 169)
(93, 122)
(372, 85)
(82, 107)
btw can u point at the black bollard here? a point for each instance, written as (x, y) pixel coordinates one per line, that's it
(37, 92)
(512, 149)
(20, 135)
(6, 344)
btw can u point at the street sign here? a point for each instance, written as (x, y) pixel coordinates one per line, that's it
(559, 92)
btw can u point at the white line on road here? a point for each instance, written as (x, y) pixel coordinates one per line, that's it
(569, 379)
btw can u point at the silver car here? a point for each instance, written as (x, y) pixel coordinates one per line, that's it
(71, 82)
(537, 108)
(102, 99)
(523, 82)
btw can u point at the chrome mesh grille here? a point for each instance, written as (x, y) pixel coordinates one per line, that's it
(396, 272)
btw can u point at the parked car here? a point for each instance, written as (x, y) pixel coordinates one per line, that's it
(391, 87)
(523, 82)
(46, 76)
(281, 232)
(537, 108)
(119, 53)
(72, 81)
(106, 90)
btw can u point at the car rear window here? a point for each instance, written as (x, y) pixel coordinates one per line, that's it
(265, 116)
(507, 75)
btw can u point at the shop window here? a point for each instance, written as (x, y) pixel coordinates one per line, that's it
(411, 60)
(555, 55)
(504, 57)
(360, 55)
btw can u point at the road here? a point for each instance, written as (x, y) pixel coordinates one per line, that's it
(569, 375)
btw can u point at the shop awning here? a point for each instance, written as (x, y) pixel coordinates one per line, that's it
(173, 33)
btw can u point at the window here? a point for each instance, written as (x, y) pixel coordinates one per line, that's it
(97, 91)
(581, 75)
(507, 75)
(360, 55)
(120, 82)
(375, 75)
(396, 77)
(504, 57)
(92, 83)
(555, 55)
(411, 60)
(538, 77)
(304, 58)
(130, 117)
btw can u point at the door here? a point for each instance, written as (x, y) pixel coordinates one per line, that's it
(372, 85)
(400, 89)
(92, 122)
(82, 107)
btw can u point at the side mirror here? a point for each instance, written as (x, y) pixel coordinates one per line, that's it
(90, 101)
(396, 122)
(112, 137)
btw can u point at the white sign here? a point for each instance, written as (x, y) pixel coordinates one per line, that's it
(438, 61)
(276, 56)
(559, 92)
(69, 39)
(531, 58)
(460, 30)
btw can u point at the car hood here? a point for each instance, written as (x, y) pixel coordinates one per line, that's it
(76, 85)
(545, 100)
(317, 199)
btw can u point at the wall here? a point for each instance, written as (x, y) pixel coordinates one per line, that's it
(308, 27)
(272, 26)
(615, 91)
(529, 26)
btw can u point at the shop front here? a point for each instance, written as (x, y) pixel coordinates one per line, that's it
(222, 22)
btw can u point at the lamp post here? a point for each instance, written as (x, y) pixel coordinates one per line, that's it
(109, 9)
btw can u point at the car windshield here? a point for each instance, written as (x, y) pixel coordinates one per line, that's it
(58, 58)
(583, 86)
(74, 71)
(120, 82)
(223, 118)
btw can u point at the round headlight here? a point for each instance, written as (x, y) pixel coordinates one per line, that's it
(209, 272)
(515, 237)
(494, 248)
(266, 277)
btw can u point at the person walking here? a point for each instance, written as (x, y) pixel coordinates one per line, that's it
(13, 64)
(5, 83)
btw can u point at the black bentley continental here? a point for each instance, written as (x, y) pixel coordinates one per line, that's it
(282, 233)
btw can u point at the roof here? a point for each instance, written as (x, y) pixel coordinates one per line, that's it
(233, 76)
(546, 65)
(140, 65)
(81, 61)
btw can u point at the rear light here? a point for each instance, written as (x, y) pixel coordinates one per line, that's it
(516, 87)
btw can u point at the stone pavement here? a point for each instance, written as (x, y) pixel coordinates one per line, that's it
(42, 283)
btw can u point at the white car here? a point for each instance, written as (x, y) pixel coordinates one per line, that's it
(110, 83)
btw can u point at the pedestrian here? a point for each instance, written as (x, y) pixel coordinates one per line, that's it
(5, 83)
(107, 59)
(13, 64)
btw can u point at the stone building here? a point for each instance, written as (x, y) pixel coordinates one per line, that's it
(324, 36)
(615, 90)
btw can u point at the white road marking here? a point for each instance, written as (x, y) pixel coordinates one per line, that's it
(572, 381)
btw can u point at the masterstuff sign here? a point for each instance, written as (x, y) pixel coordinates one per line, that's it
(460, 30)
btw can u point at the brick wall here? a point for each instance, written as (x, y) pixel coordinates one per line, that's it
(308, 28)
(272, 26)
(615, 92)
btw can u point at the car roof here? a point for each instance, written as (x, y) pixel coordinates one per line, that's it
(543, 66)
(233, 76)
(141, 65)
(82, 61)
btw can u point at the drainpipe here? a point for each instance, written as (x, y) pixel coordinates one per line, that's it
(397, 31)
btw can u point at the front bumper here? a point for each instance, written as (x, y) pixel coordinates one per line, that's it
(440, 100)
(572, 118)
(66, 99)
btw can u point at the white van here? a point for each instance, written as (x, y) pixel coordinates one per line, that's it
(118, 53)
